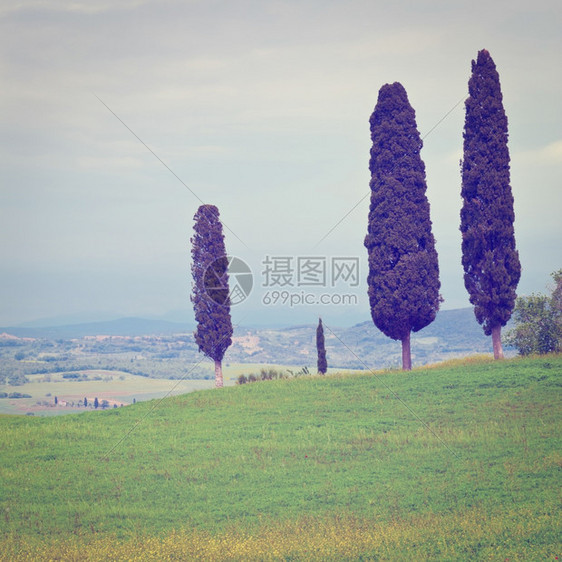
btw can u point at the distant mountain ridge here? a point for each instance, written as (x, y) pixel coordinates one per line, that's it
(130, 326)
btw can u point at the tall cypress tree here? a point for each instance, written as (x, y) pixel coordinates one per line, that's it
(210, 297)
(403, 275)
(321, 349)
(489, 257)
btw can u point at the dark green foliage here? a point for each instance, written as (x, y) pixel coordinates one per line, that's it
(538, 322)
(321, 349)
(271, 374)
(17, 379)
(304, 371)
(85, 402)
(489, 257)
(264, 375)
(210, 297)
(96, 403)
(403, 268)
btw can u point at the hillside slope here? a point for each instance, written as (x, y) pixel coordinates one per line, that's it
(460, 461)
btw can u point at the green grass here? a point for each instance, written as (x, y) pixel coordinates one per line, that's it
(121, 388)
(116, 387)
(451, 446)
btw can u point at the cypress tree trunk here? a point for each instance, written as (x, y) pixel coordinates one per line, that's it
(497, 341)
(218, 374)
(321, 349)
(406, 353)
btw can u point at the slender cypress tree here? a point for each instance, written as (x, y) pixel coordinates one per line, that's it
(321, 349)
(489, 257)
(403, 275)
(210, 297)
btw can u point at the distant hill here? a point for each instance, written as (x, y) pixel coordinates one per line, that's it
(455, 333)
(120, 327)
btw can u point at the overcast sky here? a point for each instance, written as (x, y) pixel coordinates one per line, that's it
(261, 108)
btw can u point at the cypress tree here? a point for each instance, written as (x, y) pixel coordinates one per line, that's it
(403, 278)
(489, 257)
(321, 349)
(210, 297)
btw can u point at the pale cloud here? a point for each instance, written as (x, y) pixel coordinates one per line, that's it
(113, 164)
(74, 6)
(550, 154)
(553, 152)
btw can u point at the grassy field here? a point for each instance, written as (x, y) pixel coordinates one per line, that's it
(114, 386)
(460, 461)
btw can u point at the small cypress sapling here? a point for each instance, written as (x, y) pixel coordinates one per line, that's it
(321, 349)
